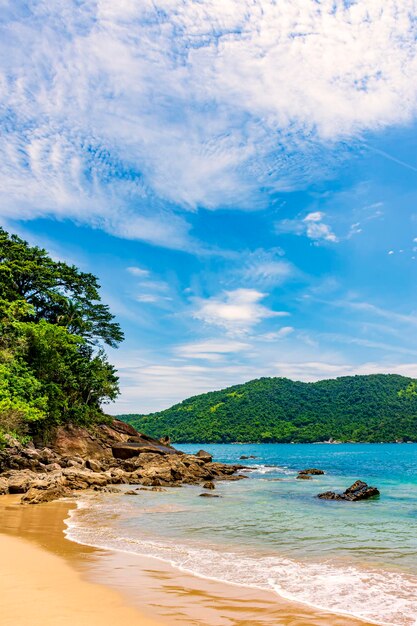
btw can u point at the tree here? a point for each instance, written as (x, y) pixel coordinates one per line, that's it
(53, 325)
(59, 293)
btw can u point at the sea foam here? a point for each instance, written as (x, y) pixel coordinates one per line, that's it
(383, 597)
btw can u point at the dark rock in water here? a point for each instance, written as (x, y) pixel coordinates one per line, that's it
(209, 495)
(304, 477)
(205, 456)
(251, 456)
(209, 485)
(358, 491)
(131, 492)
(312, 471)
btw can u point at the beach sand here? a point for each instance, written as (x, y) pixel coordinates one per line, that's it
(48, 580)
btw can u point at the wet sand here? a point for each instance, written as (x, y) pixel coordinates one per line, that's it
(49, 580)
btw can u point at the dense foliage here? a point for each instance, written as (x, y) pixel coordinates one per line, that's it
(53, 327)
(353, 408)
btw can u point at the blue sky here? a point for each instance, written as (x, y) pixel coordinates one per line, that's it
(241, 176)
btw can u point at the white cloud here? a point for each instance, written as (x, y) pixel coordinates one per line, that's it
(138, 271)
(112, 112)
(237, 311)
(312, 226)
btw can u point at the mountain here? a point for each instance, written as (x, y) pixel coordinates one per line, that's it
(350, 408)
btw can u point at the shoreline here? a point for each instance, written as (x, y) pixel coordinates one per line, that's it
(107, 584)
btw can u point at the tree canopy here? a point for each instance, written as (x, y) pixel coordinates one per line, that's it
(53, 330)
(370, 408)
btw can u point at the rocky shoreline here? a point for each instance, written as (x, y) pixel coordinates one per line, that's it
(99, 458)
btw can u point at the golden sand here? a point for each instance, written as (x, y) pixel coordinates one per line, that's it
(46, 580)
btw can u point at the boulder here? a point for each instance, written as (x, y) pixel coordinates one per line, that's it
(20, 482)
(358, 491)
(304, 477)
(209, 485)
(204, 456)
(4, 486)
(93, 465)
(131, 449)
(312, 471)
(37, 496)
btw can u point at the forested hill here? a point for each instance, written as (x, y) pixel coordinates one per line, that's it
(370, 408)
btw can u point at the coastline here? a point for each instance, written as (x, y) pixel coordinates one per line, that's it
(71, 583)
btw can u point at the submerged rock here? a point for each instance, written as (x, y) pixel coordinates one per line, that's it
(358, 491)
(209, 495)
(304, 477)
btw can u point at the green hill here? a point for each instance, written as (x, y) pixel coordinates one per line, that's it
(351, 408)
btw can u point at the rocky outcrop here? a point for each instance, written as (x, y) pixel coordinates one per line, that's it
(358, 491)
(303, 477)
(77, 459)
(312, 471)
(250, 456)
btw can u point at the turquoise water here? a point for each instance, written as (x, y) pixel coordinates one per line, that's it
(270, 531)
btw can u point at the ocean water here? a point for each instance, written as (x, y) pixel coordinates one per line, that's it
(269, 531)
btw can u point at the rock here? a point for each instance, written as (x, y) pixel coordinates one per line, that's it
(304, 477)
(82, 478)
(131, 492)
(53, 467)
(209, 485)
(358, 491)
(312, 471)
(209, 495)
(93, 465)
(166, 441)
(4, 486)
(244, 457)
(20, 482)
(128, 450)
(205, 456)
(37, 496)
(157, 489)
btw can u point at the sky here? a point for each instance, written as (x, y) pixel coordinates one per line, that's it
(241, 175)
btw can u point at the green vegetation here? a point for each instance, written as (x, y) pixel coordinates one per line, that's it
(53, 327)
(353, 408)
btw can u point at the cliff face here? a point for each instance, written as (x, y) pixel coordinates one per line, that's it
(98, 458)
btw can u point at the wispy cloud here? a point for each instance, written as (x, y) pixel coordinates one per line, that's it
(123, 115)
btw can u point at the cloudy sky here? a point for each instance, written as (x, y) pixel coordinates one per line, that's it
(240, 174)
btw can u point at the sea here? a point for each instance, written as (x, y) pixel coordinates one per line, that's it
(271, 532)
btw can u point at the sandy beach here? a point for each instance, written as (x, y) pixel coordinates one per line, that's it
(50, 581)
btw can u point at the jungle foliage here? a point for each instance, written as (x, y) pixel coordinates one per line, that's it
(53, 329)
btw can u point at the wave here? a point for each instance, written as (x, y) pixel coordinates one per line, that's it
(260, 468)
(379, 596)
